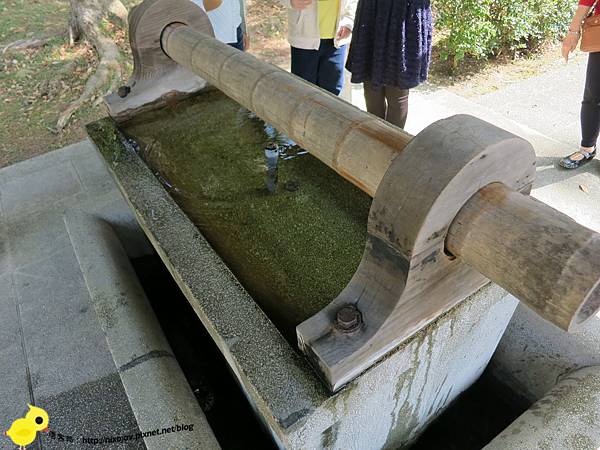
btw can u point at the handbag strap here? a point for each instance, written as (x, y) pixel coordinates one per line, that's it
(593, 9)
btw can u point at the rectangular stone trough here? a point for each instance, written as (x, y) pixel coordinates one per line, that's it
(254, 265)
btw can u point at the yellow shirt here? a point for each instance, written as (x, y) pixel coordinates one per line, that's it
(328, 16)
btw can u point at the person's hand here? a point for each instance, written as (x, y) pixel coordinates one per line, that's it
(246, 41)
(343, 33)
(569, 45)
(300, 4)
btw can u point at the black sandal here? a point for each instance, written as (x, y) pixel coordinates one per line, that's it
(570, 163)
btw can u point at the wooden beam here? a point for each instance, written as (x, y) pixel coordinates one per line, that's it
(407, 278)
(361, 148)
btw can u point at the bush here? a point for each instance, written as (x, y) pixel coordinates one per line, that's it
(482, 28)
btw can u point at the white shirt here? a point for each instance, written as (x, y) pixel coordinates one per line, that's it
(226, 19)
(200, 3)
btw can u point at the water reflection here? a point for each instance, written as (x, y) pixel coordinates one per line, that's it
(288, 149)
(280, 146)
(271, 159)
(133, 146)
(294, 250)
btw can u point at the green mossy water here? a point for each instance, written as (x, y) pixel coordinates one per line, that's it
(293, 251)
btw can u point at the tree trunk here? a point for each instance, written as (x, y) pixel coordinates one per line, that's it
(85, 23)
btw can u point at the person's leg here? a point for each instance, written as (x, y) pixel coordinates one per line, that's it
(590, 117)
(397, 105)
(331, 66)
(590, 107)
(240, 39)
(375, 99)
(305, 64)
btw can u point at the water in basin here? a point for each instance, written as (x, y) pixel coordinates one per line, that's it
(293, 249)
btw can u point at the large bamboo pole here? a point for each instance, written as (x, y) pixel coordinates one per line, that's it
(360, 147)
(543, 257)
(538, 253)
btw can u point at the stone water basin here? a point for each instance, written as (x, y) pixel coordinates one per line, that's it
(255, 264)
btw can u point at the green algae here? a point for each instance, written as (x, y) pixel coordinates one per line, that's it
(293, 251)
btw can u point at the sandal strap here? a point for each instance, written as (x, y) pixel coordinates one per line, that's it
(583, 153)
(586, 153)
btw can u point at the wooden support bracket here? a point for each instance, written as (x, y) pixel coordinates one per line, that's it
(405, 279)
(156, 78)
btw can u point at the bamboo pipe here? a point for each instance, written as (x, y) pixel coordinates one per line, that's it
(360, 147)
(534, 251)
(540, 255)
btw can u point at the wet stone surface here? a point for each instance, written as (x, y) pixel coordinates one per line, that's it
(295, 248)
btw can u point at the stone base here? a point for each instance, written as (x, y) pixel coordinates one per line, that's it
(392, 403)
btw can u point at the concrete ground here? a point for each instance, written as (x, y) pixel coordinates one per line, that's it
(52, 349)
(53, 352)
(549, 103)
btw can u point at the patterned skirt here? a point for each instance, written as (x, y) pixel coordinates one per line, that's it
(391, 43)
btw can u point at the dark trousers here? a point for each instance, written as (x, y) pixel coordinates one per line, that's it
(323, 67)
(240, 40)
(590, 108)
(389, 103)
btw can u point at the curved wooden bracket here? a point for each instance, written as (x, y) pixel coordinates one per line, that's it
(405, 279)
(156, 78)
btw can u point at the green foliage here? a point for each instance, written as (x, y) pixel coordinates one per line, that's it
(482, 28)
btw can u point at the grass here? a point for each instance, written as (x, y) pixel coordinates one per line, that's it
(267, 23)
(20, 19)
(473, 77)
(37, 84)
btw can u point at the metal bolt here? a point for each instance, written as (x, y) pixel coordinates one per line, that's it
(123, 91)
(348, 319)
